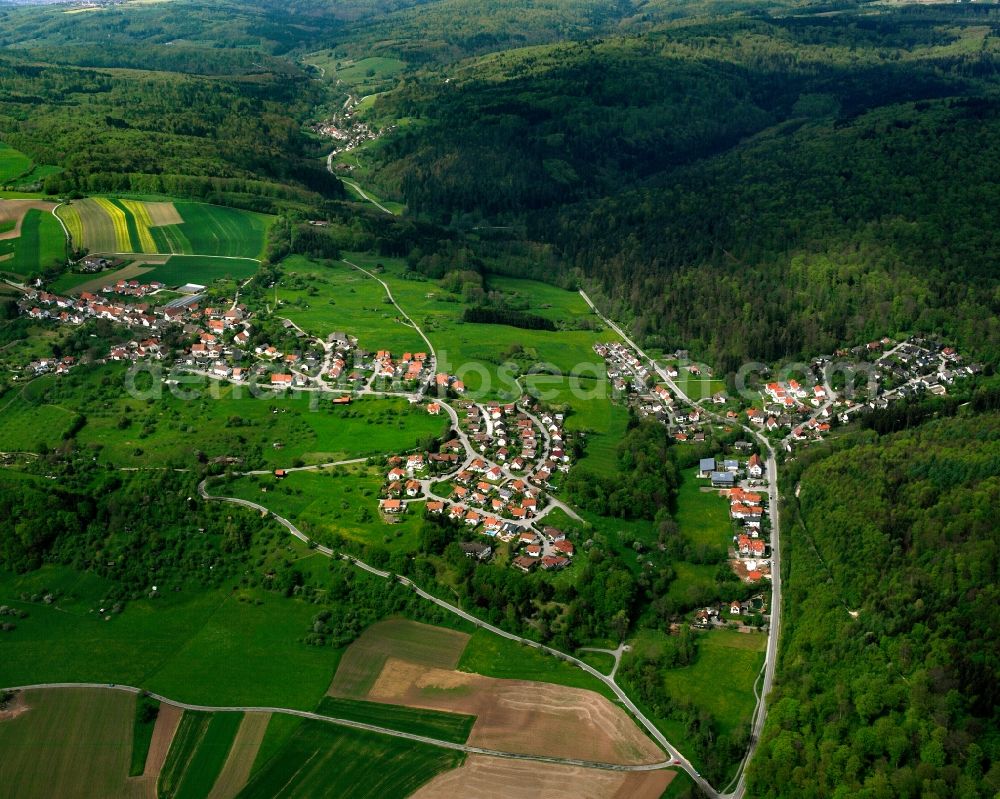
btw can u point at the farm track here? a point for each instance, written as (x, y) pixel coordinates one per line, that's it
(357, 725)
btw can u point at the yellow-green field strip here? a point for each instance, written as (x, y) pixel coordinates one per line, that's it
(143, 222)
(120, 222)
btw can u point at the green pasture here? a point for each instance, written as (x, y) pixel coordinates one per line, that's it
(322, 760)
(200, 646)
(703, 516)
(322, 299)
(493, 656)
(475, 351)
(325, 504)
(267, 431)
(437, 724)
(41, 245)
(201, 269)
(13, 163)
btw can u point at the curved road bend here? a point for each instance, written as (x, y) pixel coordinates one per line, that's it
(676, 758)
(356, 725)
(774, 631)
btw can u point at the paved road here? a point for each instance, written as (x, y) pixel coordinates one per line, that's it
(774, 630)
(353, 185)
(356, 725)
(676, 758)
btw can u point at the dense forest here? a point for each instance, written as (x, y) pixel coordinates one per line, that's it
(887, 681)
(238, 140)
(754, 188)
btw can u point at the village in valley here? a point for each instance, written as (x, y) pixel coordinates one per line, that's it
(497, 475)
(831, 390)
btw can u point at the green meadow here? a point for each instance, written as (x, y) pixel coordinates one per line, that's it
(323, 298)
(331, 503)
(196, 645)
(493, 656)
(201, 269)
(476, 351)
(454, 727)
(320, 759)
(703, 516)
(270, 431)
(41, 245)
(13, 163)
(721, 680)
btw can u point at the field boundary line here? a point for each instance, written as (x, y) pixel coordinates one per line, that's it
(357, 725)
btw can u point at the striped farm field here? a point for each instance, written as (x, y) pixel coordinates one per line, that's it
(106, 225)
(119, 222)
(67, 743)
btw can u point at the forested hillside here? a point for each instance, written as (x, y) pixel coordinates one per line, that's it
(756, 188)
(113, 130)
(887, 681)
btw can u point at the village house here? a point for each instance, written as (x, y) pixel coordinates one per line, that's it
(392, 506)
(473, 549)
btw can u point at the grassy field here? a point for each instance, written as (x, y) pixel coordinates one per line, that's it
(200, 646)
(197, 754)
(321, 760)
(698, 387)
(142, 736)
(398, 638)
(13, 163)
(454, 727)
(42, 244)
(361, 75)
(71, 744)
(337, 502)
(280, 728)
(703, 516)
(589, 410)
(475, 351)
(722, 677)
(322, 299)
(270, 431)
(201, 269)
(108, 225)
(493, 656)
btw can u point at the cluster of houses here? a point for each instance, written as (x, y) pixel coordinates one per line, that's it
(725, 612)
(625, 371)
(788, 405)
(44, 366)
(136, 350)
(549, 549)
(444, 383)
(77, 310)
(747, 511)
(133, 288)
(908, 369)
(632, 382)
(410, 366)
(485, 493)
(516, 440)
(895, 370)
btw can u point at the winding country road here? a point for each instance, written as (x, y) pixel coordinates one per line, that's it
(356, 725)
(774, 630)
(676, 758)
